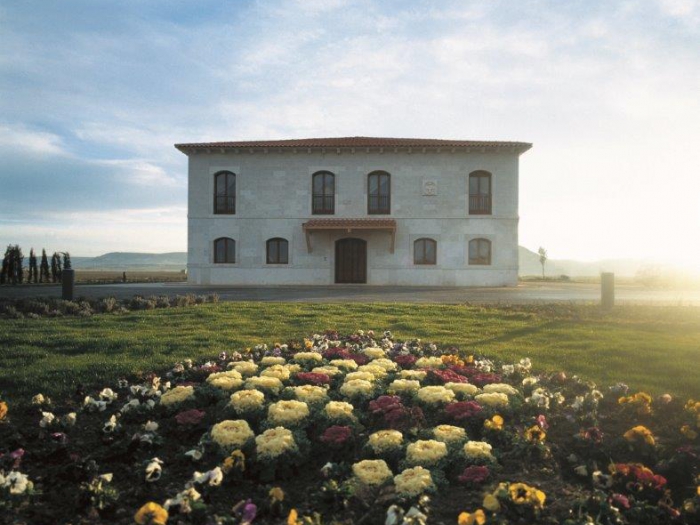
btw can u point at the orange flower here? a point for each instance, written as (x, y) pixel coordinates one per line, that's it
(235, 461)
(3, 410)
(640, 433)
(292, 518)
(472, 518)
(151, 514)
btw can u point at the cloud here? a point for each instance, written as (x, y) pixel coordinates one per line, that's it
(36, 142)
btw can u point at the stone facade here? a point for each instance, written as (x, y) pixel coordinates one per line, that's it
(429, 188)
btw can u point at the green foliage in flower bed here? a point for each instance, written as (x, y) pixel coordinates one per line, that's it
(352, 429)
(651, 348)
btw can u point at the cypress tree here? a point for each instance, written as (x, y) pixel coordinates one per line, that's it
(33, 270)
(19, 260)
(5, 273)
(66, 261)
(54, 267)
(44, 268)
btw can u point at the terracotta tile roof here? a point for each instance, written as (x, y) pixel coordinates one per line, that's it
(356, 142)
(350, 224)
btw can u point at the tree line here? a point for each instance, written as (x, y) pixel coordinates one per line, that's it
(13, 271)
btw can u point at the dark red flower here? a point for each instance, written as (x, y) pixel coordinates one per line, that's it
(475, 474)
(463, 409)
(620, 501)
(336, 435)
(336, 353)
(190, 417)
(403, 418)
(446, 376)
(405, 361)
(384, 404)
(593, 434)
(313, 378)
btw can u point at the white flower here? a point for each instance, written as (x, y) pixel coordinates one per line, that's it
(108, 395)
(287, 412)
(385, 441)
(129, 406)
(245, 368)
(69, 419)
(462, 388)
(478, 449)
(154, 470)
(16, 482)
(213, 477)
(232, 434)
(426, 452)
(111, 425)
(150, 426)
(539, 397)
(404, 386)
(92, 405)
(435, 394)
(449, 433)
(274, 442)
(581, 470)
(484, 365)
(177, 395)
(413, 481)
(374, 353)
(530, 381)
(183, 500)
(372, 471)
(47, 419)
(356, 387)
(508, 370)
(338, 410)
(228, 380)
(493, 400)
(195, 454)
(40, 399)
(524, 365)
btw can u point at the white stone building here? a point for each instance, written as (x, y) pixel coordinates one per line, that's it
(380, 211)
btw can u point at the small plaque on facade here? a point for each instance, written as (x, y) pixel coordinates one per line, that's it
(430, 187)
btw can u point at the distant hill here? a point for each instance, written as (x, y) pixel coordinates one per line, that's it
(530, 265)
(132, 261)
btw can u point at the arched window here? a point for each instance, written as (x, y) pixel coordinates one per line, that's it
(277, 251)
(378, 193)
(225, 193)
(224, 250)
(323, 199)
(480, 193)
(424, 251)
(480, 251)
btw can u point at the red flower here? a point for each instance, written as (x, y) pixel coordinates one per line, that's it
(384, 404)
(446, 376)
(403, 418)
(405, 361)
(336, 353)
(542, 422)
(313, 378)
(190, 417)
(593, 434)
(475, 474)
(463, 409)
(620, 501)
(336, 435)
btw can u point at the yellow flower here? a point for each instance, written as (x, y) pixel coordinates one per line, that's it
(276, 495)
(472, 518)
(308, 344)
(235, 461)
(522, 494)
(3, 410)
(641, 400)
(535, 434)
(688, 432)
(372, 471)
(495, 423)
(491, 503)
(151, 514)
(640, 432)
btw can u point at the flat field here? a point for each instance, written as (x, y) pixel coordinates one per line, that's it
(135, 276)
(652, 348)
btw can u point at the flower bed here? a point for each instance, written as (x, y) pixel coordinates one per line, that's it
(352, 429)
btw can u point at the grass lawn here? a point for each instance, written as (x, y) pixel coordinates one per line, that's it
(652, 348)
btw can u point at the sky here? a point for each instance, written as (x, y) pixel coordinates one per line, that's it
(93, 95)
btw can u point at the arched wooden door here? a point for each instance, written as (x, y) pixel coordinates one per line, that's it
(351, 261)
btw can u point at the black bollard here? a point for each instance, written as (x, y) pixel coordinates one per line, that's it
(607, 290)
(67, 284)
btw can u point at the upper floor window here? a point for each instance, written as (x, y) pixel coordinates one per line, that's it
(277, 251)
(225, 193)
(424, 251)
(323, 198)
(480, 251)
(480, 193)
(224, 250)
(378, 193)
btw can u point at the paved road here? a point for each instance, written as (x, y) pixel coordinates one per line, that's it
(522, 294)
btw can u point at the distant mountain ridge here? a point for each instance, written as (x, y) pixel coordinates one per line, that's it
(529, 264)
(133, 261)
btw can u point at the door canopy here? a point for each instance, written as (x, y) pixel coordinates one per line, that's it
(350, 226)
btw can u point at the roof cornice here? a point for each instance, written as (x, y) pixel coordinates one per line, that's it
(355, 145)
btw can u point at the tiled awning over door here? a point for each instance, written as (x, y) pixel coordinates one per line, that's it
(349, 226)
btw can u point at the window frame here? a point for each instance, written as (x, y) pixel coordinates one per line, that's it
(479, 261)
(324, 195)
(378, 210)
(423, 259)
(279, 241)
(226, 241)
(480, 203)
(230, 206)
